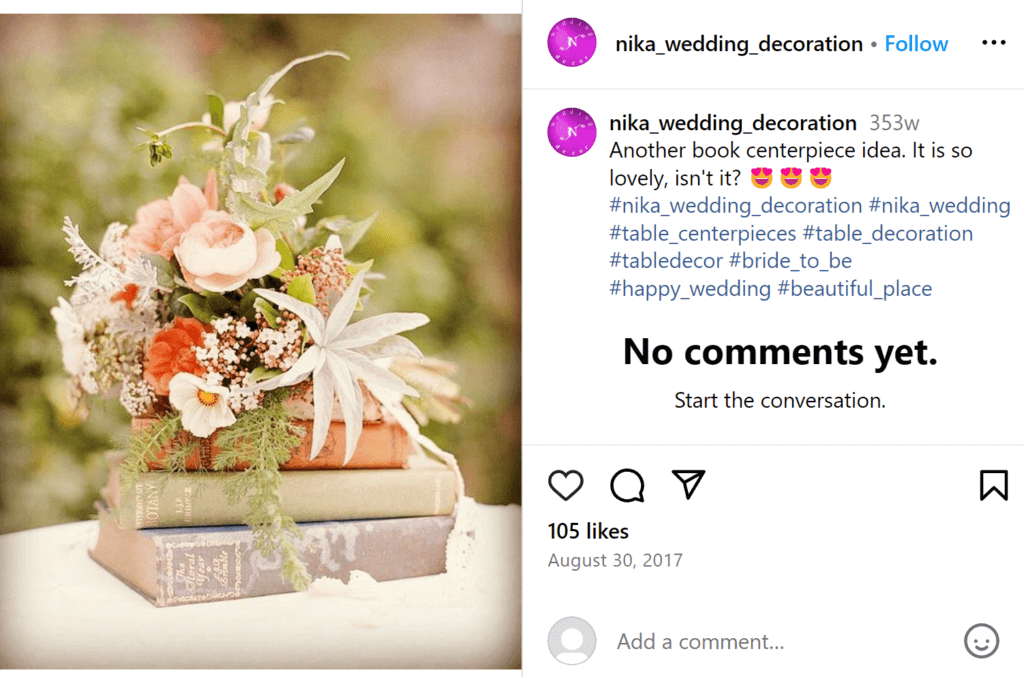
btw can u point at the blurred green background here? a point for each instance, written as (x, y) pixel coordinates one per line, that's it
(427, 114)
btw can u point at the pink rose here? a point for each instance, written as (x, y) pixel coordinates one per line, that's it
(217, 254)
(159, 224)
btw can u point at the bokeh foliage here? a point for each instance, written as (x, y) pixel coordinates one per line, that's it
(427, 115)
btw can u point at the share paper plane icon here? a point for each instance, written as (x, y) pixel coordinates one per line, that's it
(690, 480)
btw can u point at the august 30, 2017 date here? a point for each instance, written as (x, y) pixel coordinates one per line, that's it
(617, 560)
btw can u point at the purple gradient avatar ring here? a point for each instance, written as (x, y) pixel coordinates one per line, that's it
(572, 132)
(572, 42)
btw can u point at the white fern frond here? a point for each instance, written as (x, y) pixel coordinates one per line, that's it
(98, 275)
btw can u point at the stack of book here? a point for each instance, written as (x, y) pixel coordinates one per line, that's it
(176, 538)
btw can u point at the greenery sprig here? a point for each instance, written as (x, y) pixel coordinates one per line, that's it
(259, 441)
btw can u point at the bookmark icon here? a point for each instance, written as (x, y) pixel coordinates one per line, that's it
(995, 482)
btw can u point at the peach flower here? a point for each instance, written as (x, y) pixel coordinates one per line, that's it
(172, 352)
(159, 224)
(220, 255)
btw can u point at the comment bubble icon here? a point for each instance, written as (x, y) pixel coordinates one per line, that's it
(628, 486)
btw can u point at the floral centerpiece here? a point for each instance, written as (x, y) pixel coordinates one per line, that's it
(221, 303)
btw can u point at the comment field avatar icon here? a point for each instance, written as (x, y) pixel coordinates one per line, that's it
(572, 640)
(995, 482)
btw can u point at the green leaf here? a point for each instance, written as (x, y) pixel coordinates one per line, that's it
(216, 105)
(177, 308)
(269, 83)
(354, 269)
(287, 258)
(302, 201)
(350, 232)
(158, 151)
(261, 373)
(165, 272)
(272, 315)
(218, 303)
(297, 204)
(246, 307)
(301, 288)
(199, 307)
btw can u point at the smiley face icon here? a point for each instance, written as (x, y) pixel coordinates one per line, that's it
(981, 640)
(821, 177)
(792, 177)
(761, 177)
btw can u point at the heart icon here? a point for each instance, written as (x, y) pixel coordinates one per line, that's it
(565, 483)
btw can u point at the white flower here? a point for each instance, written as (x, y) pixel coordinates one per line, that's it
(204, 407)
(233, 110)
(72, 337)
(222, 324)
(341, 356)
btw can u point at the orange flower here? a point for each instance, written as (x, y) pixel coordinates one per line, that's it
(127, 295)
(173, 352)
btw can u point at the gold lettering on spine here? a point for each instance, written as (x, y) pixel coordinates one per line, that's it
(152, 506)
(219, 566)
(138, 505)
(186, 569)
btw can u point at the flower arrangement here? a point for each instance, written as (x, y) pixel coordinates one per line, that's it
(220, 304)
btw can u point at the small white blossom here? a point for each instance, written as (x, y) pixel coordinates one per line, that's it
(243, 401)
(204, 407)
(137, 397)
(72, 337)
(222, 324)
(112, 246)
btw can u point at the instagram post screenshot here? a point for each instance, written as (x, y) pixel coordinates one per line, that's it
(541, 338)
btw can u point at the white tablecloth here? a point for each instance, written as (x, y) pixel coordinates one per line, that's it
(59, 609)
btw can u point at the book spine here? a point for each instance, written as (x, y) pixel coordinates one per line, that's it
(382, 445)
(199, 499)
(207, 565)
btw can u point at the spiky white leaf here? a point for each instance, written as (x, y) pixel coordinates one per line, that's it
(343, 309)
(371, 373)
(337, 371)
(391, 346)
(373, 329)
